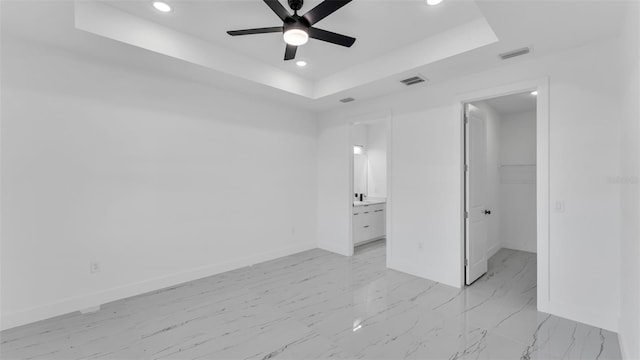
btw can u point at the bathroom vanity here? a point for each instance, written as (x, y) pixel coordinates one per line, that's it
(369, 221)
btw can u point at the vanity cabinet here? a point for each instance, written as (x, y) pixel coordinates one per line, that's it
(368, 222)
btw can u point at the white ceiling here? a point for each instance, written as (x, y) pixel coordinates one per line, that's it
(514, 103)
(437, 42)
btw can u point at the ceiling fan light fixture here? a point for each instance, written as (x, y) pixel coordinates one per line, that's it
(296, 37)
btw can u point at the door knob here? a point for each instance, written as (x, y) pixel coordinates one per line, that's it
(487, 212)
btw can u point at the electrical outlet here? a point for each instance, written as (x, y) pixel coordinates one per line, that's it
(94, 267)
(559, 206)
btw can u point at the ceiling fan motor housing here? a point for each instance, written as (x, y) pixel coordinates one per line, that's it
(296, 22)
(296, 5)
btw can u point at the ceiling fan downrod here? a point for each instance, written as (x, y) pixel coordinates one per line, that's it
(296, 5)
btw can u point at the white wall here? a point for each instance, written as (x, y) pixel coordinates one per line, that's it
(518, 138)
(426, 177)
(377, 156)
(629, 183)
(161, 181)
(492, 128)
(425, 172)
(360, 135)
(518, 181)
(333, 190)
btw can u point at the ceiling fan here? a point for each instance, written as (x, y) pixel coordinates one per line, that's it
(298, 29)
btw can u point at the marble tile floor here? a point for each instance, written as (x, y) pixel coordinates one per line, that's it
(317, 305)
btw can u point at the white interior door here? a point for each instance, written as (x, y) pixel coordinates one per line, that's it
(476, 229)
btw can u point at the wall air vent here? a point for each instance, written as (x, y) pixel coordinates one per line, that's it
(413, 80)
(347, 100)
(514, 53)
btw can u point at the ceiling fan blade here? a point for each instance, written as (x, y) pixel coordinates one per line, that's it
(323, 10)
(331, 37)
(290, 52)
(255, 31)
(277, 8)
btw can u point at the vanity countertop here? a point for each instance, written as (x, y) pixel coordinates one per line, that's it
(369, 202)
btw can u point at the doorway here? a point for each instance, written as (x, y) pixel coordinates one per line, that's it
(369, 145)
(500, 177)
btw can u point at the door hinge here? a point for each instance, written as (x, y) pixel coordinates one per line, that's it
(466, 214)
(466, 167)
(466, 262)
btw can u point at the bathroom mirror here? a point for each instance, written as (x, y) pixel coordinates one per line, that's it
(359, 170)
(369, 143)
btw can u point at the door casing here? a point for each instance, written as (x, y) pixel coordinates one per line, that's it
(542, 175)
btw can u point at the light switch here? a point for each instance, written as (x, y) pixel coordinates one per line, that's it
(559, 206)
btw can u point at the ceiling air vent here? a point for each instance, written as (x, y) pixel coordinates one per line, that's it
(413, 80)
(514, 53)
(347, 100)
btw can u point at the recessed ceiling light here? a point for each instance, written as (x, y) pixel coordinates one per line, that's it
(534, 93)
(434, 2)
(161, 6)
(301, 63)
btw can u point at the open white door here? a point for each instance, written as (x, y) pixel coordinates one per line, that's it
(476, 229)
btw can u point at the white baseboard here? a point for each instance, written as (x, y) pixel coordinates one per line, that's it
(92, 300)
(408, 270)
(629, 346)
(600, 319)
(493, 250)
(517, 248)
(623, 349)
(90, 310)
(334, 249)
